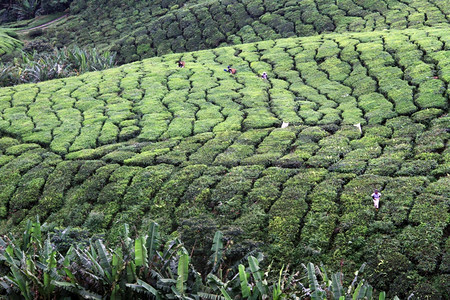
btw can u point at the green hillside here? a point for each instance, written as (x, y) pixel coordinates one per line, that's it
(149, 28)
(198, 148)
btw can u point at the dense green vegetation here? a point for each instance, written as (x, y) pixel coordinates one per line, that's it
(147, 268)
(66, 62)
(365, 90)
(27, 9)
(148, 28)
(198, 149)
(8, 41)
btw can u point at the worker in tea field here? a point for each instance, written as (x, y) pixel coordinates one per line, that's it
(264, 75)
(230, 70)
(181, 64)
(376, 199)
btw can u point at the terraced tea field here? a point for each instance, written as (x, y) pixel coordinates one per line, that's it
(7, 42)
(151, 141)
(149, 28)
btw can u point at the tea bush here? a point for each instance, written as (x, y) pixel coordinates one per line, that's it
(200, 146)
(8, 41)
(148, 28)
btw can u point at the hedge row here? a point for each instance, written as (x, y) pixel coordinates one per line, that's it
(313, 81)
(197, 148)
(298, 210)
(148, 28)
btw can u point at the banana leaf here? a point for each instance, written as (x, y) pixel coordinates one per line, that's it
(74, 288)
(140, 252)
(152, 242)
(313, 284)
(336, 285)
(216, 248)
(104, 261)
(356, 293)
(225, 294)
(245, 289)
(254, 268)
(183, 271)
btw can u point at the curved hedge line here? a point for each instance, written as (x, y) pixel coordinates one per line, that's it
(198, 146)
(148, 28)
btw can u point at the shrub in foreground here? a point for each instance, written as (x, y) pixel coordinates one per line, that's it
(144, 268)
(61, 63)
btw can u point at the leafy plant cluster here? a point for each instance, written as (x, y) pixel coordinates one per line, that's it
(144, 268)
(149, 28)
(61, 63)
(198, 149)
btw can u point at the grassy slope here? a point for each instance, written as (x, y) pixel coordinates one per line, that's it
(150, 28)
(151, 141)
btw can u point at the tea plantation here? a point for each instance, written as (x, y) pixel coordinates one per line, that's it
(8, 41)
(197, 147)
(148, 28)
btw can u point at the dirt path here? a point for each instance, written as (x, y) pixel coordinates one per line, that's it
(45, 25)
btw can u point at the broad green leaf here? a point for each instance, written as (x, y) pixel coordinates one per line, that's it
(336, 285)
(356, 292)
(313, 284)
(115, 261)
(52, 261)
(68, 257)
(245, 289)
(324, 274)
(362, 292)
(36, 232)
(103, 255)
(26, 237)
(131, 271)
(254, 267)
(70, 275)
(8, 255)
(369, 292)
(183, 271)
(152, 243)
(21, 283)
(214, 281)
(91, 260)
(225, 294)
(140, 253)
(126, 237)
(148, 287)
(79, 290)
(47, 280)
(217, 248)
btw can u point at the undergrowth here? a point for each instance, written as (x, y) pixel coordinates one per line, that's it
(60, 63)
